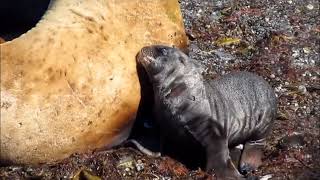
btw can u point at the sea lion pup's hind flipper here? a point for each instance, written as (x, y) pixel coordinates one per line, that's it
(212, 137)
(143, 149)
(235, 154)
(251, 156)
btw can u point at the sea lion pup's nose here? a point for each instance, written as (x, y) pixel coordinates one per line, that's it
(155, 50)
(145, 56)
(146, 51)
(150, 53)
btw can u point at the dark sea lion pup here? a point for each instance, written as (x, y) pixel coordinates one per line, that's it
(238, 108)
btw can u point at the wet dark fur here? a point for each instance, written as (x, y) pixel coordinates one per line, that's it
(197, 115)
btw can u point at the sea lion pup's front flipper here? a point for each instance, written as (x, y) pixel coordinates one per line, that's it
(212, 137)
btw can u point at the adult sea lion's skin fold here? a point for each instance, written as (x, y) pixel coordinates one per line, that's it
(237, 108)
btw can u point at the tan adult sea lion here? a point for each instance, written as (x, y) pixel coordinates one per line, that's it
(70, 84)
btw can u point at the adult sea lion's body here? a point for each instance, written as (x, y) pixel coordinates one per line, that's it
(238, 108)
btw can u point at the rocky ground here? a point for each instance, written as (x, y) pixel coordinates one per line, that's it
(278, 40)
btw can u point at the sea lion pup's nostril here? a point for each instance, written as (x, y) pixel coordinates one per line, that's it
(148, 51)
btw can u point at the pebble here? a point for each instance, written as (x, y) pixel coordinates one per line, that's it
(295, 140)
(306, 50)
(14, 168)
(267, 19)
(302, 89)
(139, 165)
(310, 6)
(126, 162)
(199, 13)
(295, 53)
(266, 177)
(218, 4)
(272, 76)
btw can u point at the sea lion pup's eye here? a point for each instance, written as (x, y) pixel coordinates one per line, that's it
(182, 60)
(164, 59)
(164, 51)
(159, 51)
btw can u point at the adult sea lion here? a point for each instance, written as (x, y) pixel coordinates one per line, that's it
(237, 108)
(70, 84)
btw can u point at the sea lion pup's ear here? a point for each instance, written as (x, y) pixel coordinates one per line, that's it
(196, 63)
(185, 50)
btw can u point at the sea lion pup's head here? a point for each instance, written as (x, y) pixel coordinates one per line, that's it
(160, 62)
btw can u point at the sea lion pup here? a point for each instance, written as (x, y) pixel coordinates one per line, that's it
(237, 108)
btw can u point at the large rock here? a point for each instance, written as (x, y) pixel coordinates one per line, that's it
(70, 84)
